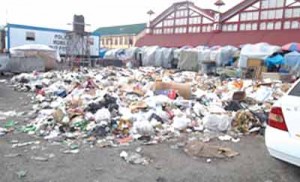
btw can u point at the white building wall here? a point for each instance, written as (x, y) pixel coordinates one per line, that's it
(52, 38)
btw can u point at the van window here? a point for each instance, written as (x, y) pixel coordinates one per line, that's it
(296, 90)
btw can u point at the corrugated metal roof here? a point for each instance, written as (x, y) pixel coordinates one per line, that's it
(223, 38)
(121, 30)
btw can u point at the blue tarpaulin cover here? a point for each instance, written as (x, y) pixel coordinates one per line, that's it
(274, 61)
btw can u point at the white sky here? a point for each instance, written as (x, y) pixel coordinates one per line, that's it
(57, 13)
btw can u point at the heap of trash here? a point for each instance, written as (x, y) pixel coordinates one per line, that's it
(111, 106)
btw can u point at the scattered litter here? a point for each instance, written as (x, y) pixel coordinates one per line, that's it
(3, 131)
(12, 155)
(74, 146)
(110, 107)
(14, 141)
(200, 149)
(25, 144)
(21, 174)
(244, 121)
(228, 138)
(76, 151)
(208, 160)
(38, 158)
(51, 156)
(8, 113)
(139, 149)
(225, 138)
(135, 158)
(9, 124)
(2, 118)
(235, 140)
(161, 179)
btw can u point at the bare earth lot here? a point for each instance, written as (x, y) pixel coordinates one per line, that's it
(104, 164)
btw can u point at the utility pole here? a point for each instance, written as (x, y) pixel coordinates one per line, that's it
(6, 16)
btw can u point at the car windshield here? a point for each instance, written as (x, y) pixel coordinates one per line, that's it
(296, 90)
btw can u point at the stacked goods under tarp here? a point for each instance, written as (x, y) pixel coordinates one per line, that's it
(203, 54)
(252, 58)
(225, 55)
(274, 62)
(102, 52)
(148, 55)
(292, 62)
(258, 51)
(188, 60)
(4, 60)
(131, 53)
(176, 56)
(31, 57)
(132, 57)
(220, 55)
(113, 57)
(114, 54)
(164, 57)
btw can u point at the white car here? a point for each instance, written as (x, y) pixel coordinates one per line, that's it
(282, 134)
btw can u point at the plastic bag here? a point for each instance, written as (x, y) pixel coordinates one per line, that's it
(217, 122)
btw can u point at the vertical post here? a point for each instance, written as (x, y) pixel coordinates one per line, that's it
(6, 16)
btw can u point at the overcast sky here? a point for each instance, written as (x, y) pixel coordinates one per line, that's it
(57, 13)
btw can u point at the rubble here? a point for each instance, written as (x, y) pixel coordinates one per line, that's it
(111, 106)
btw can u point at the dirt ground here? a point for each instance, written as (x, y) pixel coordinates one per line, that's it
(104, 164)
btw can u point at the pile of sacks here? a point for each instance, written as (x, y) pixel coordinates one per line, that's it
(122, 105)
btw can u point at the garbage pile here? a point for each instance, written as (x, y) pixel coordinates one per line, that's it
(112, 106)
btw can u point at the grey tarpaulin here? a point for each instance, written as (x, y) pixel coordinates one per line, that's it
(292, 62)
(204, 55)
(44, 53)
(188, 60)
(164, 57)
(148, 58)
(114, 54)
(4, 63)
(225, 54)
(159, 56)
(29, 64)
(130, 53)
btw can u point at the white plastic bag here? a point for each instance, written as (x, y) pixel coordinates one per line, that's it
(181, 123)
(102, 115)
(216, 122)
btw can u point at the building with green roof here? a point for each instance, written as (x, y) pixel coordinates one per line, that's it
(120, 36)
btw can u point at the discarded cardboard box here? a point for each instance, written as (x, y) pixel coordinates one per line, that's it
(255, 65)
(239, 96)
(183, 90)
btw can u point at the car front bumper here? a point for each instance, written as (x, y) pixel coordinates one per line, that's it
(280, 145)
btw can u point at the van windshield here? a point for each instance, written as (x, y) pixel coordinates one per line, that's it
(296, 90)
